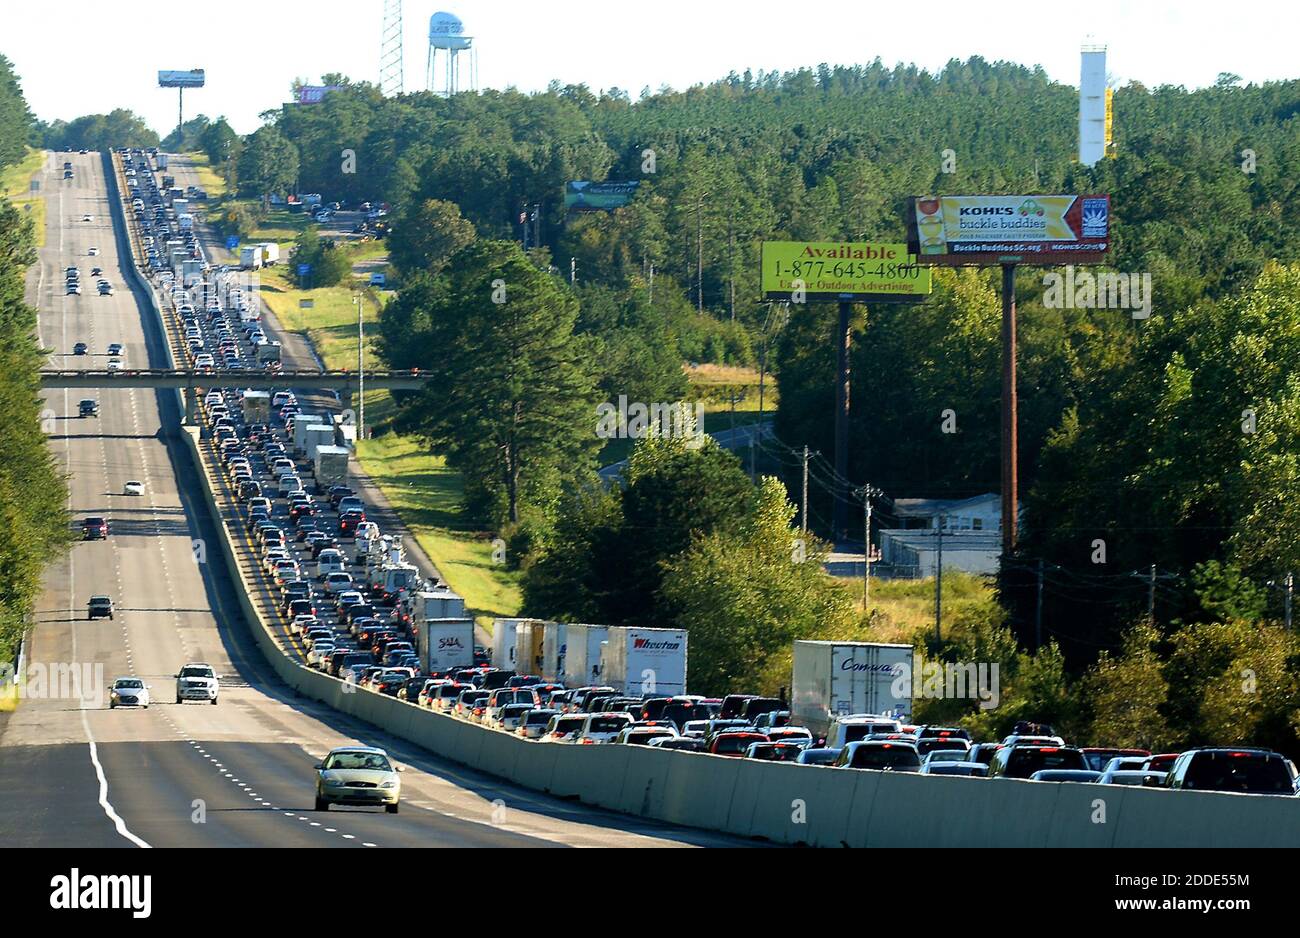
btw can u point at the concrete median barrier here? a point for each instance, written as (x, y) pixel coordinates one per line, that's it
(702, 790)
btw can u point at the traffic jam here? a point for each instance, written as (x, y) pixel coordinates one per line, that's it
(352, 606)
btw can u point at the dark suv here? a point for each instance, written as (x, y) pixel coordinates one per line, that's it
(1024, 761)
(1245, 771)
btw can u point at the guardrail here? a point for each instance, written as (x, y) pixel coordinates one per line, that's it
(784, 802)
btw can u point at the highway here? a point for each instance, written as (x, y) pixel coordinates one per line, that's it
(76, 774)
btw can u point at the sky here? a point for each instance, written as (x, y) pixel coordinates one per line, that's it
(89, 56)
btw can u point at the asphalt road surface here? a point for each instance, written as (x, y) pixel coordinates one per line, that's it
(74, 773)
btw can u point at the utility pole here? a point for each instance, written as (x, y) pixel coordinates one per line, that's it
(699, 254)
(843, 338)
(866, 546)
(731, 238)
(1010, 406)
(938, 586)
(1038, 610)
(803, 516)
(573, 271)
(1151, 596)
(652, 284)
(361, 372)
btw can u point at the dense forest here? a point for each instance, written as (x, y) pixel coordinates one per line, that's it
(33, 494)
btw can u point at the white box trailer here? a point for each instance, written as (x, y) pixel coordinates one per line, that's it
(318, 434)
(330, 466)
(439, 604)
(301, 424)
(644, 662)
(446, 643)
(582, 654)
(270, 253)
(836, 679)
(553, 634)
(257, 406)
(528, 647)
(504, 644)
(250, 258)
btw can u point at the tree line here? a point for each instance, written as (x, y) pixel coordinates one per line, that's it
(33, 491)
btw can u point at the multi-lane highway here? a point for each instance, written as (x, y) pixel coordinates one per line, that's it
(76, 773)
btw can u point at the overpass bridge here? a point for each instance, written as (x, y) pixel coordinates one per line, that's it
(190, 381)
(345, 382)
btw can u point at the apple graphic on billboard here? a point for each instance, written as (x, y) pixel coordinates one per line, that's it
(928, 206)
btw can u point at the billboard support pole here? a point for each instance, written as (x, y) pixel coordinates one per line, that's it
(843, 339)
(1010, 405)
(180, 112)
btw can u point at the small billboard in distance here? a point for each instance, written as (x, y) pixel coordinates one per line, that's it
(314, 94)
(986, 230)
(598, 196)
(193, 78)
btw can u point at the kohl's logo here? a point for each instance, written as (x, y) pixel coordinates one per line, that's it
(75, 891)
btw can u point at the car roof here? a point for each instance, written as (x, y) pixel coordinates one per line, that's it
(366, 749)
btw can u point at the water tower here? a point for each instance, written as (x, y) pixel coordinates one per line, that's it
(447, 35)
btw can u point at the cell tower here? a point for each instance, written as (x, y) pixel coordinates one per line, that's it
(1094, 105)
(447, 34)
(391, 80)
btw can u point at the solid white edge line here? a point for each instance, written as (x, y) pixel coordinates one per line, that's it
(104, 803)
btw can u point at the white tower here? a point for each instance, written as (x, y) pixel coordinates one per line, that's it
(1094, 105)
(447, 34)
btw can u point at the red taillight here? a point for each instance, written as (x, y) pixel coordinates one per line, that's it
(1240, 755)
(1050, 749)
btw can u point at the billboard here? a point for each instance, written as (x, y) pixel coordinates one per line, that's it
(191, 79)
(314, 94)
(598, 196)
(980, 230)
(836, 270)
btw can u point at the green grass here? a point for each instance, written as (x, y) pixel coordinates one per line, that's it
(15, 185)
(716, 384)
(427, 495)
(210, 181)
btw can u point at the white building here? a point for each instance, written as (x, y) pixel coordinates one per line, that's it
(972, 535)
(981, 513)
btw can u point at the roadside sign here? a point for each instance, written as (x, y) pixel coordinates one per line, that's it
(304, 270)
(36, 185)
(232, 242)
(305, 304)
(830, 271)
